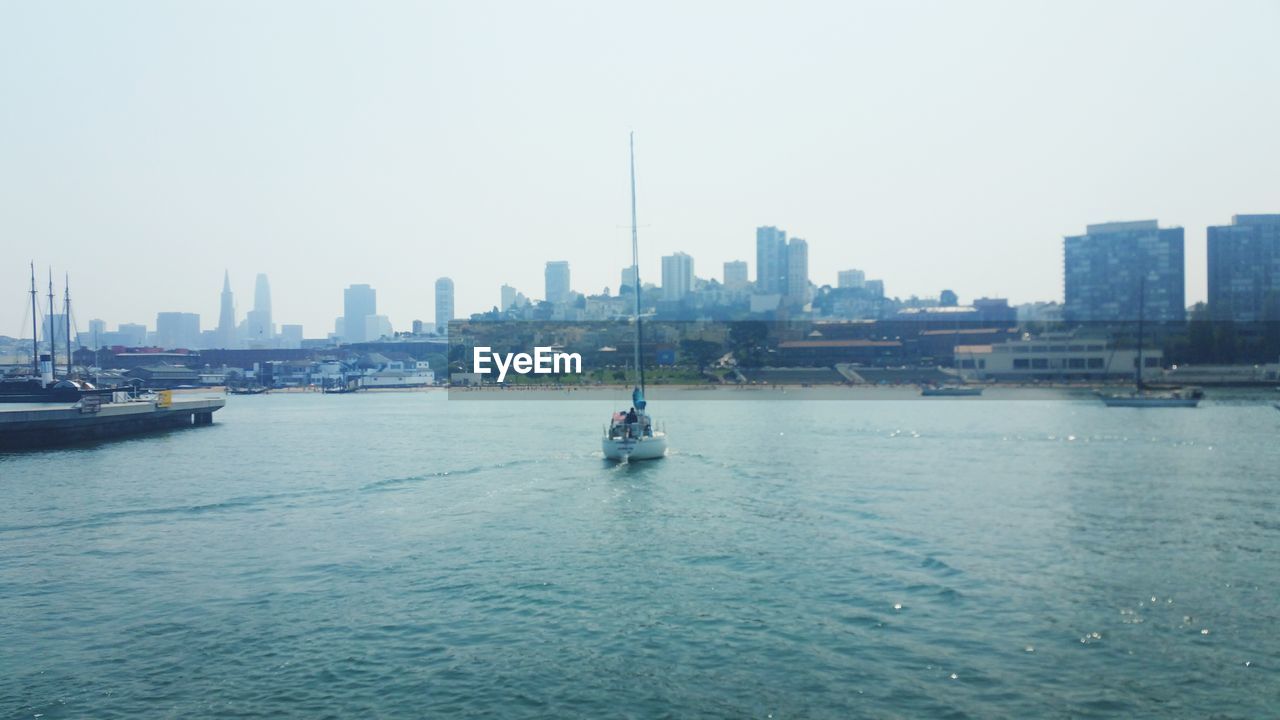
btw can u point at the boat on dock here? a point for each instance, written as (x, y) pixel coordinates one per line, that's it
(44, 410)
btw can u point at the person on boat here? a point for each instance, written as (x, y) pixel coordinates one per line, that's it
(631, 416)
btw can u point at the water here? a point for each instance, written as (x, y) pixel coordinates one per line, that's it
(401, 555)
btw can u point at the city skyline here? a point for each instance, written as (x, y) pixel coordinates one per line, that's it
(949, 149)
(1108, 238)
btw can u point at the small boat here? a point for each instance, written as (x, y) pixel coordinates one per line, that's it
(632, 435)
(259, 390)
(1148, 399)
(950, 391)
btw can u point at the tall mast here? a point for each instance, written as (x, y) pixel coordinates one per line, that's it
(53, 337)
(66, 308)
(35, 325)
(635, 260)
(1142, 306)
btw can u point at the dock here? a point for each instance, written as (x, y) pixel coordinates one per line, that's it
(35, 425)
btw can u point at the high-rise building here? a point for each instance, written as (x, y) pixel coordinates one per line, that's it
(771, 260)
(177, 330)
(796, 290)
(1106, 269)
(677, 276)
(132, 334)
(290, 336)
(735, 275)
(226, 333)
(444, 304)
(55, 328)
(97, 330)
(376, 327)
(557, 282)
(1244, 269)
(358, 302)
(260, 328)
(508, 297)
(851, 279)
(628, 279)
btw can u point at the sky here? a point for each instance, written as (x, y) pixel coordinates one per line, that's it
(147, 146)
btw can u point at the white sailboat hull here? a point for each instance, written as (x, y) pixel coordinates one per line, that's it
(629, 449)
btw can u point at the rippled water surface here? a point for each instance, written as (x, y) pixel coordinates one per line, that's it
(403, 555)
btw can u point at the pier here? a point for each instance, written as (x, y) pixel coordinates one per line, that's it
(26, 426)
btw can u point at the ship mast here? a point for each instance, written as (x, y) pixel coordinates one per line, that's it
(1142, 308)
(66, 308)
(35, 325)
(635, 265)
(53, 337)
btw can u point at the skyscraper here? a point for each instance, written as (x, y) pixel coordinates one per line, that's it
(557, 281)
(227, 315)
(1106, 268)
(771, 260)
(628, 279)
(851, 279)
(677, 276)
(358, 302)
(508, 297)
(1244, 269)
(796, 289)
(177, 330)
(258, 321)
(736, 275)
(97, 329)
(444, 305)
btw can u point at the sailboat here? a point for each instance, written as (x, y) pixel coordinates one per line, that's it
(1143, 397)
(632, 435)
(43, 385)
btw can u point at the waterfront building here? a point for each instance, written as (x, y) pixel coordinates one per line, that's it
(1105, 269)
(178, 330)
(736, 275)
(677, 277)
(444, 304)
(1244, 269)
(226, 331)
(358, 302)
(556, 277)
(1053, 357)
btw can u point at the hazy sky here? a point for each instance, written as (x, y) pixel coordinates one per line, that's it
(145, 147)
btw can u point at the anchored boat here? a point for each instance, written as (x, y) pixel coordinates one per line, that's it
(1142, 396)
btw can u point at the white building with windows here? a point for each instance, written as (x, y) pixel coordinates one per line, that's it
(1054, 358)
